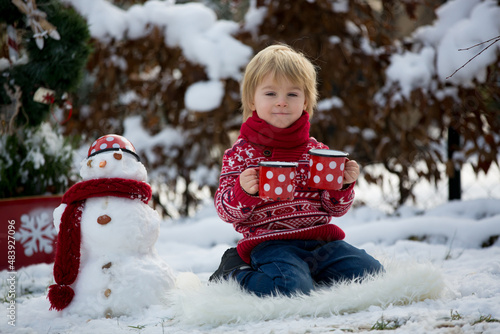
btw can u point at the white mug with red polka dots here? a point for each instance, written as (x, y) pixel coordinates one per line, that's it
(277, 180)
(327, 169)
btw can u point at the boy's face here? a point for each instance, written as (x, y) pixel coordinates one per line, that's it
(278, 101)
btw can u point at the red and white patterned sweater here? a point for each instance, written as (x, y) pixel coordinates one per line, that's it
(306, 217)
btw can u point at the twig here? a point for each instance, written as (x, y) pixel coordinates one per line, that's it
(470, 47)
(495, 39)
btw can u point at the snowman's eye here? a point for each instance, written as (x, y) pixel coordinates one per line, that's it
(117, 156)
(89, 163)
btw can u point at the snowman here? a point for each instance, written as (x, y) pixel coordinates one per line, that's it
(106, 264)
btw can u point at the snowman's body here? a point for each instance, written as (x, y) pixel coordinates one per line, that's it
(120, 272)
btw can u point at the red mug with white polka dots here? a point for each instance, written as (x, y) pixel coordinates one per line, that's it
(327, 169)
(277, 180)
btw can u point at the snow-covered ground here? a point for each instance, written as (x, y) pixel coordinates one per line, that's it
(437, 248)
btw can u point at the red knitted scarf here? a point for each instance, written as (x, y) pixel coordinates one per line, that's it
(67, 259)
(284, 144)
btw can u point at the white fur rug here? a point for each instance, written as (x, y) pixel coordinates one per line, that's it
(222, 303)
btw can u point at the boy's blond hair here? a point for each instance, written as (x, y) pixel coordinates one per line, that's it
(281, 61)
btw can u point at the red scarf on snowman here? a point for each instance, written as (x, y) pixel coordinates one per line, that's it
(67, 259)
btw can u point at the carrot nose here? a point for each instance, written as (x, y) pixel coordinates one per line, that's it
(102, 164)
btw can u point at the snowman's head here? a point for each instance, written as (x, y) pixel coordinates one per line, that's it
(113, 156)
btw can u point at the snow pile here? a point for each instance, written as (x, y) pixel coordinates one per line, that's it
(192, 27)
(418, 70)
(169, 139)
(460, 24)
(204, 96)
(433, 228)
(254, 18)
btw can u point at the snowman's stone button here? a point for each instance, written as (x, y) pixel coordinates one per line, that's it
(106, 266)
(107, 293)
(103, 220)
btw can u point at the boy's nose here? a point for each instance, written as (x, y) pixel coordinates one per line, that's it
(282, 103)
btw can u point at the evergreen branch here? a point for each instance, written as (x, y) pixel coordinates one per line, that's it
(495, 39)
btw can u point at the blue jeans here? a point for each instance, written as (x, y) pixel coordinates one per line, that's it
(287, 267)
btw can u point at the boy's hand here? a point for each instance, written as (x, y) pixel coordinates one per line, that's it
(249, 181)
(351, 171)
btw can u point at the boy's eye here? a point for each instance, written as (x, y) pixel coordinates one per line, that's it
(270, 94)
(292, 94)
